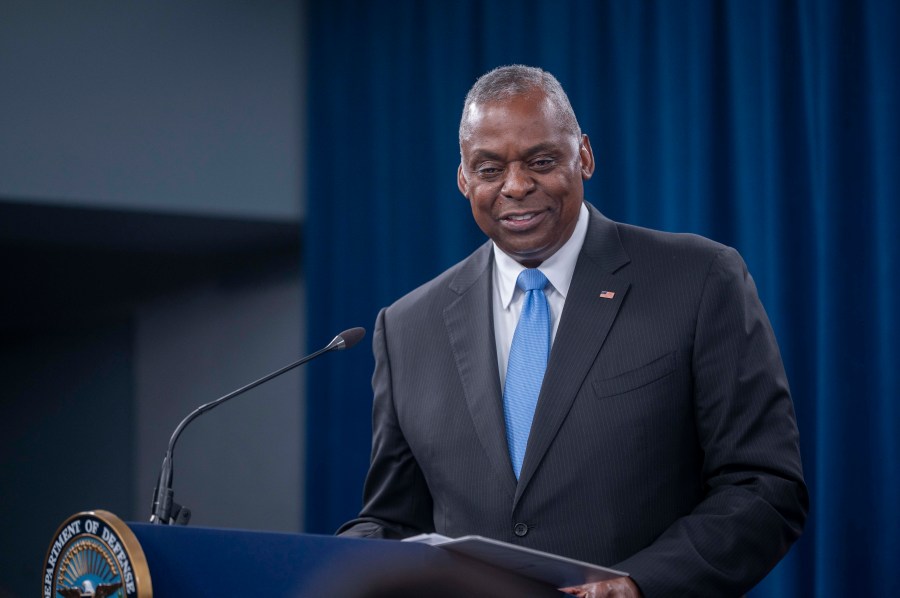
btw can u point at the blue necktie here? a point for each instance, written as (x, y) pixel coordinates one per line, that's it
(527, 362)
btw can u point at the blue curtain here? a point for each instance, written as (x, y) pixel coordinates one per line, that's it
(770, 126)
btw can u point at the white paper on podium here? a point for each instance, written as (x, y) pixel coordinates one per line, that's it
(553, 569)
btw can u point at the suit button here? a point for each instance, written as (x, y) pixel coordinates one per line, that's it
(521, 529)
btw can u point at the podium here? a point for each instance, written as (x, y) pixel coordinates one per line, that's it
(195, 561)
(96, 554)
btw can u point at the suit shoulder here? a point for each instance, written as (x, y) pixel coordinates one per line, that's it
(632, 235)
(661, 246)
(443, 288)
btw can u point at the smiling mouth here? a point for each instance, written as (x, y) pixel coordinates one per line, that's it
(520, 217)
(522, 222)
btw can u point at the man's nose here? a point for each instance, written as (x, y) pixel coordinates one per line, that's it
(518, 182)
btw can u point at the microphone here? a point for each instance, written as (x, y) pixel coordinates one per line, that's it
(164, 510)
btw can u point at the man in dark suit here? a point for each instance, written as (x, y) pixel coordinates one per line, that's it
(661, 438)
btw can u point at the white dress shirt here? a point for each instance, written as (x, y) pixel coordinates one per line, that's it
(508, 298)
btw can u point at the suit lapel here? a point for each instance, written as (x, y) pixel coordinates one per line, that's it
(469, 324)
(592, 304)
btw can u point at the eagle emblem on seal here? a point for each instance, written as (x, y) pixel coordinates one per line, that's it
(88, 590)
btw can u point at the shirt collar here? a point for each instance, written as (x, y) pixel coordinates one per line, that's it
(558, 268)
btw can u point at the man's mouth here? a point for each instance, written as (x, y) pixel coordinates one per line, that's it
(521, 221)
(520, 217)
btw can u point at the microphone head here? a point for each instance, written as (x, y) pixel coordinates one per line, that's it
(351, 337)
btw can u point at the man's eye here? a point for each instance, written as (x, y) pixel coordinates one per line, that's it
(542, 163)
(488, 171)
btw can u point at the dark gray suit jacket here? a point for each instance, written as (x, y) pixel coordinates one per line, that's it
(664, 442)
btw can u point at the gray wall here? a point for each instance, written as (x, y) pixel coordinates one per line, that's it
(239, 465)
(176, 106)
(65, 446)
(150, 236)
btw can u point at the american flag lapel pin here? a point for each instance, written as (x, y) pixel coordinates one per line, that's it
(607, 295)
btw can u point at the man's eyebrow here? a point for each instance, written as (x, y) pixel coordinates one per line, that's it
(541, 147)
(484, 154)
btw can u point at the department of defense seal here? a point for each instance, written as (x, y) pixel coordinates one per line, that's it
(94, 555)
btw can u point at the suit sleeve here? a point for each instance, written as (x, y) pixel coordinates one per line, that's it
(396, 500)
(755, 501)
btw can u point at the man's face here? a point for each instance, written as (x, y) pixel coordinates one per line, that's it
(523, 174)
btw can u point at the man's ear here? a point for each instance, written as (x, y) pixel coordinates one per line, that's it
(461, 181)
(587, 158)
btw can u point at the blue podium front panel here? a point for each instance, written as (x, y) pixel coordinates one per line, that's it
(194, 561)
